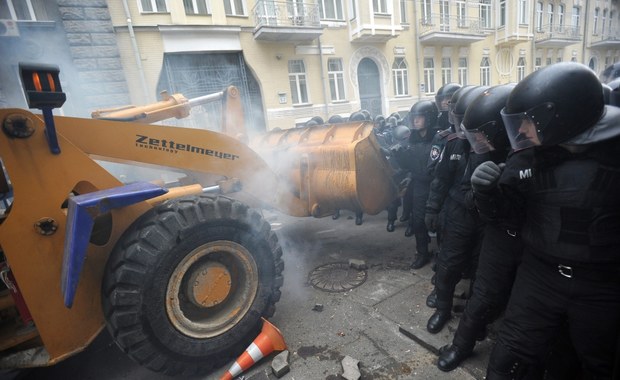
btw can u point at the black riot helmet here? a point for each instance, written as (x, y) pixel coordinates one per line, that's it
(424, 108)
(357, 116)
(444, 95)
(553, 105)
(454, 99)
(464, 100)
(614, 95)
(335, 119)
(401, 133)
(483, 124)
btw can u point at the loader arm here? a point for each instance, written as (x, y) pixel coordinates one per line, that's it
(183, 148)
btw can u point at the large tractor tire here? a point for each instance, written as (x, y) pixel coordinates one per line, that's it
(186, 286)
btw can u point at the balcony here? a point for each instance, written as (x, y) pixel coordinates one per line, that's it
(450, 30)
(286, 21)
(607, 40)
(556, 36)
(371, 27)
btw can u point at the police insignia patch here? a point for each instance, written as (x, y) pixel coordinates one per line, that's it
(435, 152)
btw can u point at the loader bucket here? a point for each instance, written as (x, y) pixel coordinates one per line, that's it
(330, 167)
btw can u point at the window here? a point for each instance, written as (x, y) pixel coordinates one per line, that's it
(595, 27)
(561, 17)
(603, 21)
(611, 21)
(461, 14)
(153, 6)
(444, 16)
(520, 69)
(550, 17)
(502, 13)
(426, 12)
(336, 78)
(297, 80)
(196, 7)
(548, 61)
(463, 71)
(593, 64)
(353, 9)
(234, 8)
(485, 72)
(28, 10)
(331, 9)
(485, 13)
(379, 6)
(429, 75)
(403, 12)
(446, 70)
(539, 17)
(523, 15)
(401, 79)
(537, 63)
(575, 20)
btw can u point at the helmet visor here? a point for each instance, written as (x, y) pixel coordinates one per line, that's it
(478, 139)
(442, 102)
(526, 129)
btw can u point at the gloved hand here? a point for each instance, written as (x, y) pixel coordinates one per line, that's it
(404, 183)
(431, 219)
(486, 175)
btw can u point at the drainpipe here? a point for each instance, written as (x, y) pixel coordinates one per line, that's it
(585, 32)
(323, 80)
(136, 53)
(417, 48)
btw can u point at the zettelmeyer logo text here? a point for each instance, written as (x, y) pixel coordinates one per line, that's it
(174, 147)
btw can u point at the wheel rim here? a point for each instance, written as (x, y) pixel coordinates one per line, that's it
(212, 289)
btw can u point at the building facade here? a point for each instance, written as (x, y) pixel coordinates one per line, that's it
(293, 60)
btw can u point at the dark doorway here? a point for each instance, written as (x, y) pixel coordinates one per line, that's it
(197, 74)
(368, 80)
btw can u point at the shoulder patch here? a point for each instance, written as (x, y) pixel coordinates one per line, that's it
(435, 152)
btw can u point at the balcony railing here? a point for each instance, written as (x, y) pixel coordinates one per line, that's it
(560, 32)
(451, 24)
(611, 35)
(286, 14)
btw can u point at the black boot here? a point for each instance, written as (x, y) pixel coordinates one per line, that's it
(336, 215)
(450, 356)
(420, 261)
(390, 226)
(409, 231)
(358, 218)
(431, 300)
(438, 320)
(434, 278)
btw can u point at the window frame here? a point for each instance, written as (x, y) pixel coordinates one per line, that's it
(520, 69)
(400, 76)
(154, 7)
(523, 12)
(484, 13)
(336, 80)
(429, 75)
(462, 71)
(485, 71)
(337, 9)
(233, 8)
(195, 8)
(380, 7)
(299, 94)
(446, 70)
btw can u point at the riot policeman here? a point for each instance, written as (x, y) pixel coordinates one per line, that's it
(501, 249)
(401, 136)
(422, 118)
(442, 101)
(463, 229)
(565, 177)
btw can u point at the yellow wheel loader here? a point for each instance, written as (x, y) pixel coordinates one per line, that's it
(180, 271)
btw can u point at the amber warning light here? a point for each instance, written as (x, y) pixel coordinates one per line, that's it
(43, 91)
(42, 86)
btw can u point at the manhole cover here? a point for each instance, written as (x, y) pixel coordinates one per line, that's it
(336, 277)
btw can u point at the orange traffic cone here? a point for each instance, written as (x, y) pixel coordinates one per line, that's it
(269, 340)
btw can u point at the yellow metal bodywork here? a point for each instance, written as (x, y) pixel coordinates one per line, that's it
(42, 181)
(337, 166)
(315, 171)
